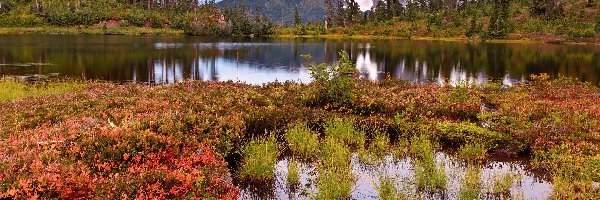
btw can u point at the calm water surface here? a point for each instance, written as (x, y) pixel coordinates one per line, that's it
(525, 185)
(170, 59)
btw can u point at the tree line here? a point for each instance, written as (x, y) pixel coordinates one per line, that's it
(473, 18)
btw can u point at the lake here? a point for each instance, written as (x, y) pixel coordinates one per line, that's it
(160, 59)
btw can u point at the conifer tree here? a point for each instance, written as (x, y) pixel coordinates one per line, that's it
(297, 19)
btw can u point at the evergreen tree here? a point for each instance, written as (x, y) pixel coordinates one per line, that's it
(354, 15)
(499, 21)
(297, 19)
(330, 11)
(340, 17)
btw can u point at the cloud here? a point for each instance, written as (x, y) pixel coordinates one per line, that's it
(365, 4)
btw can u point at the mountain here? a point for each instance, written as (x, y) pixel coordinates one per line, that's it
(282, 11)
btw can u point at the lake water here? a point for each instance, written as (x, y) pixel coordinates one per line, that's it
(154, 59)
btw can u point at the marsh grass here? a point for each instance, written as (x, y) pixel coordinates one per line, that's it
(302, 142)
(564, 188)
(502, 184)
(471, 184)
(335, 154)
(293, 176)
(12, 89)
(343, 129)
(376, 150)
(386, 189)
(334, 183)
(429, 175)
(259, 160)
(473, 152)
(335, 179)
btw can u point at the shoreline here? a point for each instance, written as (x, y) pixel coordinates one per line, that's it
(132, 31)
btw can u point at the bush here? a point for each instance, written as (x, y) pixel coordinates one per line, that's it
(136, 17)
(20, 20)
(336, 83)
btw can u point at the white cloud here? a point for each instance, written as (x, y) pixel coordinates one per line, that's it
(365, 4)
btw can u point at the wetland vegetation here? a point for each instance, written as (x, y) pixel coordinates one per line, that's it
(389, 139)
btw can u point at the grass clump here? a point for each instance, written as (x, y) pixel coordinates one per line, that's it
(375, 150)
(259, 160)
(293, 177)
(334, 154)
(429, 175)
(11, 89)
(334, 183)
(344, 131)
(474, 152)
(302, 142)
(502, 184)
(471, 185)
(335, 179)
(387, 189)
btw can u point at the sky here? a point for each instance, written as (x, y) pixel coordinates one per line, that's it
(365, 4)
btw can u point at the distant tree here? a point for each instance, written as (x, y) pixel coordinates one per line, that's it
(340, 17)
(547, 8)
(330, 10)
(499, 21)
(353, 14)
(297, 19)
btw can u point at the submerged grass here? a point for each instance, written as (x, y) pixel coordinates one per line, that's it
(387, 189)
(293, 176)
(502, 184)
(379, 146)
(334, 183)
(429, 175)
(11, 89)
(335, 154)
(335, 179)
(471, 184)
(259, 160)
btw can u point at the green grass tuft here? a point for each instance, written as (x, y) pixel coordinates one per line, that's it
(474, 152)
(293, 177)
(334, 183)
(259, 160)
(387, 189)
(343, 129)
(11, 90)
(302, 142)
(471, 185)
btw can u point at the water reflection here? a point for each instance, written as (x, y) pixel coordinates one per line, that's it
(402, 171)
(259, 60)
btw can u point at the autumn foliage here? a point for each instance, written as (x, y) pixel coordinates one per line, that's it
(170, 141)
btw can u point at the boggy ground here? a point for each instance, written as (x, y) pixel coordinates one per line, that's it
(172, 141)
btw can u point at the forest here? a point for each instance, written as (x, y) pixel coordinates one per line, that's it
(548, 20)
